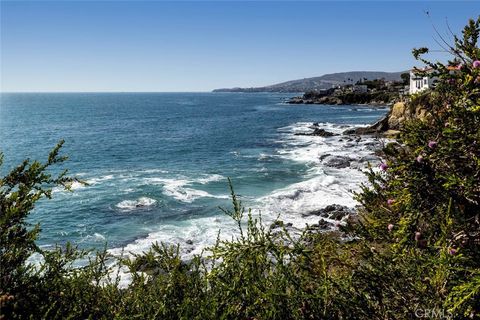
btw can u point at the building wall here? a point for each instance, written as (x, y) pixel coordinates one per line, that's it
(418, 83)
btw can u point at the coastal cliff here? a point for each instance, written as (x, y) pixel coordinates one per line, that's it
(395, 119)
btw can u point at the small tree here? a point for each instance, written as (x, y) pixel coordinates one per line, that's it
(405, 78)
(19, 192)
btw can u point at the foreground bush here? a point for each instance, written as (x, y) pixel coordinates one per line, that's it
(413, 250)
(425, 202)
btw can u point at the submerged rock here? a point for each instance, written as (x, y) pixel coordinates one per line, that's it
(333, 211)
(324, 224)
(338, 162)
(317, 132)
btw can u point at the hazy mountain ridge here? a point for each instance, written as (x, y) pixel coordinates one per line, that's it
(323, 82)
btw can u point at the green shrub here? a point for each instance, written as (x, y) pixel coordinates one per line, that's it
(426, 202)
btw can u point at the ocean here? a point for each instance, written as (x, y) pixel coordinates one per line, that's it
(157, 163)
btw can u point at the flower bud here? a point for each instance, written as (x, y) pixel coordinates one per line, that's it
(418, 236)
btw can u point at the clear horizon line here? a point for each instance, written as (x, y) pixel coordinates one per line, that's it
(210, 91)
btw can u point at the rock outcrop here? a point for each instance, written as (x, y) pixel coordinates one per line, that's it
(394, 120)
(317, 132)
(402, 112)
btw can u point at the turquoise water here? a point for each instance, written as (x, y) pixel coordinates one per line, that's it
(157, 163)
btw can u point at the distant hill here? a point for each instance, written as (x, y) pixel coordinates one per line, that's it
(323, 82)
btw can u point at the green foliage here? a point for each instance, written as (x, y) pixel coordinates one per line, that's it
(405, 78)
(430, 192)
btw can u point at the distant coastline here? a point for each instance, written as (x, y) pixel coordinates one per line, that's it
(326, 81)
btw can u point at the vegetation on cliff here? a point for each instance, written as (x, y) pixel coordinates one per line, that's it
(373, 92)
(412, 251)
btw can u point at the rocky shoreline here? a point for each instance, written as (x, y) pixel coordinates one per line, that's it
(333, 215)
(336, 100)
(373, 93)
(390, 125)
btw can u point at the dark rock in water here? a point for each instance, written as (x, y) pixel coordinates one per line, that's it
(369, 158)
(333, 207)
(338, 212)
(323, 156)
(296, 100)
(337, 162)
(317, 132)
(378, 127)
(338, 215)
(322, 133)
(293, 196)
(333, 211)
(323, 224)
(190, 242)
(320, 212)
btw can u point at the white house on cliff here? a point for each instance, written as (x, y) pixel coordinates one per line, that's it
(419, 83)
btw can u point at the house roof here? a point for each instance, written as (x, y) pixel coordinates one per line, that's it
(429, 69)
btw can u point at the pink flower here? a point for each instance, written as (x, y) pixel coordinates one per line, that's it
(418, 236)
(432, 144)
(390, 201)
(420, 159)
(452, 251)
(390, 227)
(383, 166)
(458, 67)
(476, 64)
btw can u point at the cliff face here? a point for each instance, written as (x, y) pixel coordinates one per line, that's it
(402, 112)
(394, 120)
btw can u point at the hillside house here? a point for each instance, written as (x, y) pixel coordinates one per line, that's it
(420, 83)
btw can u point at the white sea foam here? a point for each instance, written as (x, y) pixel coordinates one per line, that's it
(210, 178)
(322, 185)
(180, 189)
(75, 185)
(193, 235)
(96, 237)
(142, 202)
(97, 180)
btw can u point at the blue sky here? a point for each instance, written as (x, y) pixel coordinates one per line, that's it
(199, 46)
